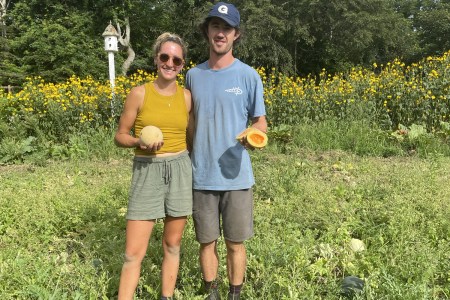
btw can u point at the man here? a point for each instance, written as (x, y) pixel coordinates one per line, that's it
(227, 96)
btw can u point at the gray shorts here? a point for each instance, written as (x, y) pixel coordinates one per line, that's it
(236, 209)
(160, 186)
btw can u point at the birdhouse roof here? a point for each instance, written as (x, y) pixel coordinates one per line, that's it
(110, 31)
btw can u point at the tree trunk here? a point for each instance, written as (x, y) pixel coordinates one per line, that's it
(124, 40)
(3, 8)
(127, 63)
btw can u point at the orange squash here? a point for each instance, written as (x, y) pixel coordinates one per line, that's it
(255, 137)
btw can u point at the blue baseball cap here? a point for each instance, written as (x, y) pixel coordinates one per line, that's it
(227, 12)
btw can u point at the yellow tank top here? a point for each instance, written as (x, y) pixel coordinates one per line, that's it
(169, 113)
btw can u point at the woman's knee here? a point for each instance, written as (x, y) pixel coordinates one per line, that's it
(133, 257)
(172, 246)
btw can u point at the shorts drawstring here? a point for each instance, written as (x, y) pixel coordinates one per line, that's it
(167, 162)
(167, 173)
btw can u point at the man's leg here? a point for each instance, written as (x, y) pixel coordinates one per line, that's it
(209, 260)
(209, 263)
(207, 231)
(236, 262)
(236, 266)
(237, 217)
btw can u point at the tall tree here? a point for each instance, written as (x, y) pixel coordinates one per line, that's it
(264, 25)
(4, 4)
(433, 25)
(124, 40)
(188, 14)
(10, 70)
(297, 31)
(56, 39)
(56, 42)
(352, 32)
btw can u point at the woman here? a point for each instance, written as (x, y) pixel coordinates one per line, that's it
(161, 184)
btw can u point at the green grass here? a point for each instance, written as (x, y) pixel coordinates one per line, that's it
(62, 224)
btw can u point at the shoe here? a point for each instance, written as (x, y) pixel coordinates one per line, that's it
(213, 294)
(234, 296)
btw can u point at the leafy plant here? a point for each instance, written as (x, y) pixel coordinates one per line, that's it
(14, 150)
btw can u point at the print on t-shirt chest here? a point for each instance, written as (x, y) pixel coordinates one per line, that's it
(226, 97)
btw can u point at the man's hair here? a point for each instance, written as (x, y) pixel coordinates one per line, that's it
(204, 30)
(169, 37)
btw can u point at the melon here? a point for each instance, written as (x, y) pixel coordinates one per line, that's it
(255, 137)
(357, 245)
(150, 135)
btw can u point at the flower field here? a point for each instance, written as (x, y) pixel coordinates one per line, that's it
(393, 96)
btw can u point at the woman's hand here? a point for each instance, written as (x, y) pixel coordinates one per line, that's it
(152, 147)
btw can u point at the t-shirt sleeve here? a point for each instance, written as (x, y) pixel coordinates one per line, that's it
(187, 82)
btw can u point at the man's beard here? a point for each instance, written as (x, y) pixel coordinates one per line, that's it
(222, 52)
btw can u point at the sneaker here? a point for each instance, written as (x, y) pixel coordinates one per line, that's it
(234, 296)
(213, 294)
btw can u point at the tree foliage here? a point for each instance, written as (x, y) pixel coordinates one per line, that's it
(55, 39)
(55, 42)
(433, 22)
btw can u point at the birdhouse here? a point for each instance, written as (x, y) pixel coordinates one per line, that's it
(110, 34)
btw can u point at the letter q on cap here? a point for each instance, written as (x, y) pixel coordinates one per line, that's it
(223, 9)
(227, 12)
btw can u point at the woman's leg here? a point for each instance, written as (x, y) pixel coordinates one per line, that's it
(137, 236)
(173, 232)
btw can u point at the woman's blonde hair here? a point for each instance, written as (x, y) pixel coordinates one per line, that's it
(169, 37)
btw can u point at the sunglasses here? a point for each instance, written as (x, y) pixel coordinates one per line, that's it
(163, 57)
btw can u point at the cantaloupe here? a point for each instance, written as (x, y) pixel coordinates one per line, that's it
(150, 135)
(357, 245)
(255, 137)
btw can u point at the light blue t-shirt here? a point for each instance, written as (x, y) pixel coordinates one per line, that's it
(224, 101)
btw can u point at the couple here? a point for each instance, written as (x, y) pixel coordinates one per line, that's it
(222, 95)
